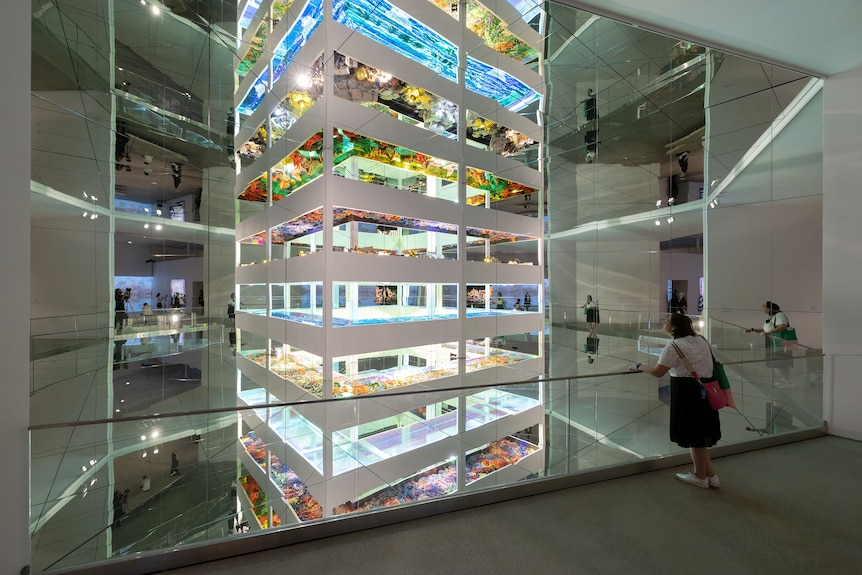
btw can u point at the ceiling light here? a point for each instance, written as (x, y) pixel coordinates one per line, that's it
(658, 203)
(158, 227)
(155, 10)
(670, 220)
(145, 454)
(83, 468)
(130, 241)
(85, 214)
(92, 462)
(658, 222)
(156, 450)
(143, 438)
(158, 211)
(303, 81)
(85, 194)
(154, 434)
(146, 226)
(94, 216)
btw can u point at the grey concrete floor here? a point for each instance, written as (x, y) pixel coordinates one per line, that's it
(791, 509)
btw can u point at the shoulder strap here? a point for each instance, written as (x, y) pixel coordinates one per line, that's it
(684, 359)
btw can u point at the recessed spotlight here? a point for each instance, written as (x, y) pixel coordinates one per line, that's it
(155, 10)
(146, 226)
(658, 222)
(670, 220)
(94, 216)
(158, 227)
(658, 203)
(154, 434)
(130, 241)
(143, 438)
(85, 214)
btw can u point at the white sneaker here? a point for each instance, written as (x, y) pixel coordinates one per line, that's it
(713, 481)
(693, 479)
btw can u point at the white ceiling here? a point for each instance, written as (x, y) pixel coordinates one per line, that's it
(819, 39)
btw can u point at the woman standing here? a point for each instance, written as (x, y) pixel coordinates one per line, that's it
(591, 308)
(777, 358)
(693, 423)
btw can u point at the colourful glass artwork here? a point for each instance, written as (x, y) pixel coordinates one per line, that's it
(342, 215)
(308, 223)
(258, 239)
(393, 27)
(348, 144)
(494, 33)
(499, 139)
(498, 85)
(498, 188)
(248, 14)
(297, 36)
(256, 191)
(301, 166)
(255, 50)
(378, 89)
(496, 237)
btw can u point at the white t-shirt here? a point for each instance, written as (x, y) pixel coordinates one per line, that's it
(776, 320)
(696, 349)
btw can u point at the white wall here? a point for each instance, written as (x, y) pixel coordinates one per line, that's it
(842, 256)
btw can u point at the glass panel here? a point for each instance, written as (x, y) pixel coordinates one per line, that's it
(364, 232)
(368, 303)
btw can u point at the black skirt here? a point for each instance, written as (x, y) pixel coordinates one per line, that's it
(693, 423)
(592, 315)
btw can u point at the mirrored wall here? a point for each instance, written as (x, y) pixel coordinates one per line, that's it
(206, 310)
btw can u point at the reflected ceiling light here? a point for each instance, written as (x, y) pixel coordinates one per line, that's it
(92, 462)
(83, 468)
(143, 2)
(154, 434)
(130, 241)
(147, 210)
(85, 194)
(94, 216)
(155, 451)
(158, 211)
(303, 81)
(658, 222)
(158, 227)
(146, 226)
(658, 203)
(85, 214)
(670, 201)
(670, 220)
(143, 438)
(93, 482)
(155, 10)
(145, 454)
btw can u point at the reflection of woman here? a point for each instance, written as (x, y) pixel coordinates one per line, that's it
(591, 308)
(527, 301)
(501, 302)
(517, 306)
(693, 423)
(120, 315)
(777, 358)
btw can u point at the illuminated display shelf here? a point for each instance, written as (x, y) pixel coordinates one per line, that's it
(339, 455)
(306, 374)
(306, 440)
(281, 482)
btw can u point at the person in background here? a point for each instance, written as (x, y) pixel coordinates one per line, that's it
(693, 422)
(231, 316)
(517, 306)
(682, 305)
(778, 359)
(146, 312)
(501, 301)
(175, 464)
(201, 300)
(673, 304)
(527, 301)
(591, 309)
(120, 315)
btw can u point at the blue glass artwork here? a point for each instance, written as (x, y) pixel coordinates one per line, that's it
(496, 84)
(393, 27)
(528, 9)
(248, 13)
(297, 36)
(255, 94)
